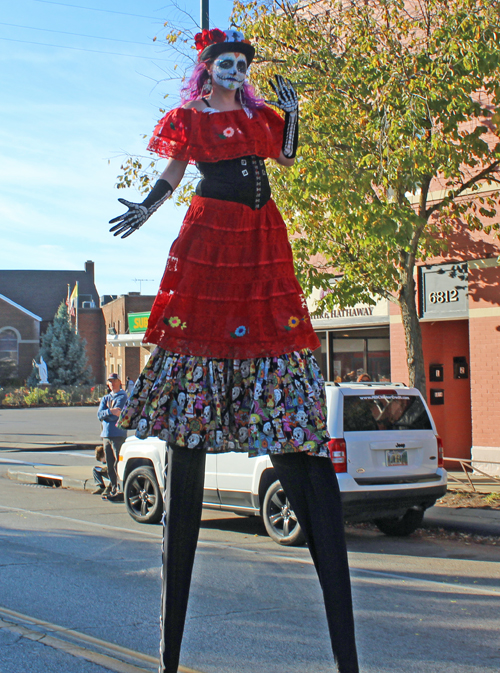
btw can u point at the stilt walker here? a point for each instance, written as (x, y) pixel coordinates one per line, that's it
(233, 369)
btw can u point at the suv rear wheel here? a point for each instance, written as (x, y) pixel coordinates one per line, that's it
(279, 519)
(143, 496)
(402, 526)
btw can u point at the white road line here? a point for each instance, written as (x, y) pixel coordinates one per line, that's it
(12, 461)
(457, 588)
(77, 644)
(89, 524)
(91, 456)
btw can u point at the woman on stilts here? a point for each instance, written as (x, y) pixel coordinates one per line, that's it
(233, 369)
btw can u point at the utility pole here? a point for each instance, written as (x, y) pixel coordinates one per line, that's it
(204, 14)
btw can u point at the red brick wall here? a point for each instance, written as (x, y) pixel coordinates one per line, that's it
(91, 327)
(484, 328)
(29, 330)
(485, 380)
(131, 359)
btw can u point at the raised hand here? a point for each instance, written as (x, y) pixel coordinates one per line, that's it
(285, 93)
(288, 102)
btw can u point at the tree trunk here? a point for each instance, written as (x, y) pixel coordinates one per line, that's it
(413, 334)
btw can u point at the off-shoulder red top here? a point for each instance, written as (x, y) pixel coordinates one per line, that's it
(190, 135)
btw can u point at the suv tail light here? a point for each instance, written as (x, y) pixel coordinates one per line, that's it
(338, 454)
(440, 451)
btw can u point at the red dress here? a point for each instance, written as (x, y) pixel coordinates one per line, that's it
(233, 370)
(229, 289)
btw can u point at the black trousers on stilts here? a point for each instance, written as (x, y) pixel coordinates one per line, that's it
(182, 517)
(311, 486)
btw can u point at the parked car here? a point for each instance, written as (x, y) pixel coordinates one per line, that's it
(384, 448)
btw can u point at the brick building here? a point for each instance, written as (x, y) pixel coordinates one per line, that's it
(459, 302)
(29, 303)
(19, 337)
(125, 319)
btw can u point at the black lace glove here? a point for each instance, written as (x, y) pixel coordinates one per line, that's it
(138, 213)
(289, 103)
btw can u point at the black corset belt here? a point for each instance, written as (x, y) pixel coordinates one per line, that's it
(242, 180)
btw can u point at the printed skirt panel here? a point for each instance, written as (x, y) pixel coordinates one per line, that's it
(258, 405)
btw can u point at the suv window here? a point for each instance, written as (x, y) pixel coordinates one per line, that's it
(385, 412)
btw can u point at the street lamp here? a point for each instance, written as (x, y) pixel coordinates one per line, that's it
(204, 14)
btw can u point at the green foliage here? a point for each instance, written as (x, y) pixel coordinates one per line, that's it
(51, 396)
(396, 99)
(389, 100)
(64, 352)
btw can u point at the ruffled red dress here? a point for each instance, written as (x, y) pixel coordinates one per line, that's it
(229, 289)
(233, 369)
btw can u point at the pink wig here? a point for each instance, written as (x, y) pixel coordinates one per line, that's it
(193, 89)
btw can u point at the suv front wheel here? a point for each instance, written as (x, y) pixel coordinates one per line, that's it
(402, 526)
(143, 496)
(279, 519)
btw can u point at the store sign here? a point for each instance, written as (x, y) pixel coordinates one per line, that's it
(137, 322)
(360, 314)
(444, 291)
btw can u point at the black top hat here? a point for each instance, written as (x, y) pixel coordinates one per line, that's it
(212, 43)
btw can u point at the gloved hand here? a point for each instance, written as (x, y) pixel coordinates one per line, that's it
(138, 213)
(288, 102)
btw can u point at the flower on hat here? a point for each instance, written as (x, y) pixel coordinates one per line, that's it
(208, 37)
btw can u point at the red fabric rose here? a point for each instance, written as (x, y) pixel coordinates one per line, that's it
(217, 35)
(208, 37)
(198, 40)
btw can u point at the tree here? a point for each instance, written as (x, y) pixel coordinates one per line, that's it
(398, 100)
(64, 353)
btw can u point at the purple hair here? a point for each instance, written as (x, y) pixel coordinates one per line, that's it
(193, 90)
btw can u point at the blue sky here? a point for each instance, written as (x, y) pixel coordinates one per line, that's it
(68, 116)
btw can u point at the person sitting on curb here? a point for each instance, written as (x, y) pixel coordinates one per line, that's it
(99, 472)
(113, 436)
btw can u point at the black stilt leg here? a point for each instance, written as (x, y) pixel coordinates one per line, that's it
(182, 516)
(311, 486)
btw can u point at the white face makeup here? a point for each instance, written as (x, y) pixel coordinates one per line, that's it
(229, 70)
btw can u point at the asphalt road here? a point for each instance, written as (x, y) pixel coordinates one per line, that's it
(49, 425)
(72, 561)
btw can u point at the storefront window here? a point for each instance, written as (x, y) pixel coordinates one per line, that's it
(359, 355)
(321, 354)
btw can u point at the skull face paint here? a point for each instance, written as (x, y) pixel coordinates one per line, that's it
(229, 70)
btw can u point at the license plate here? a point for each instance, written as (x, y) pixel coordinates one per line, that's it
(395, 457)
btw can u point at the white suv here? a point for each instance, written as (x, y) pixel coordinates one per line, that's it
(384, 447)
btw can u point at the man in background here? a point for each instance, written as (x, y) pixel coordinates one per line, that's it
(112, 436)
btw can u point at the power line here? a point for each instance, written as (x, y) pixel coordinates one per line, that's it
(95, 9)
(63, 32)
(92, 51)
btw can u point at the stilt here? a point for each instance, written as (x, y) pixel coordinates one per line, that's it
(182, 517)
(311, 486)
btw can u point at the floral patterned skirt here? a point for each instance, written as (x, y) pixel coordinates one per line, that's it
(260, 406)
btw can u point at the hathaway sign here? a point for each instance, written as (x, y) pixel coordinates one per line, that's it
(137, 322)
(361, 314)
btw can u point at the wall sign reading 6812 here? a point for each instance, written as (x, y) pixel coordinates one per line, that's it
(443, 296)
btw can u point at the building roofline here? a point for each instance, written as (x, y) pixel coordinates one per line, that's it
(21, 308)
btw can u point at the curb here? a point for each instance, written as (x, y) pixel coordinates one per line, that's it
(50, 479)
(52, 446)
